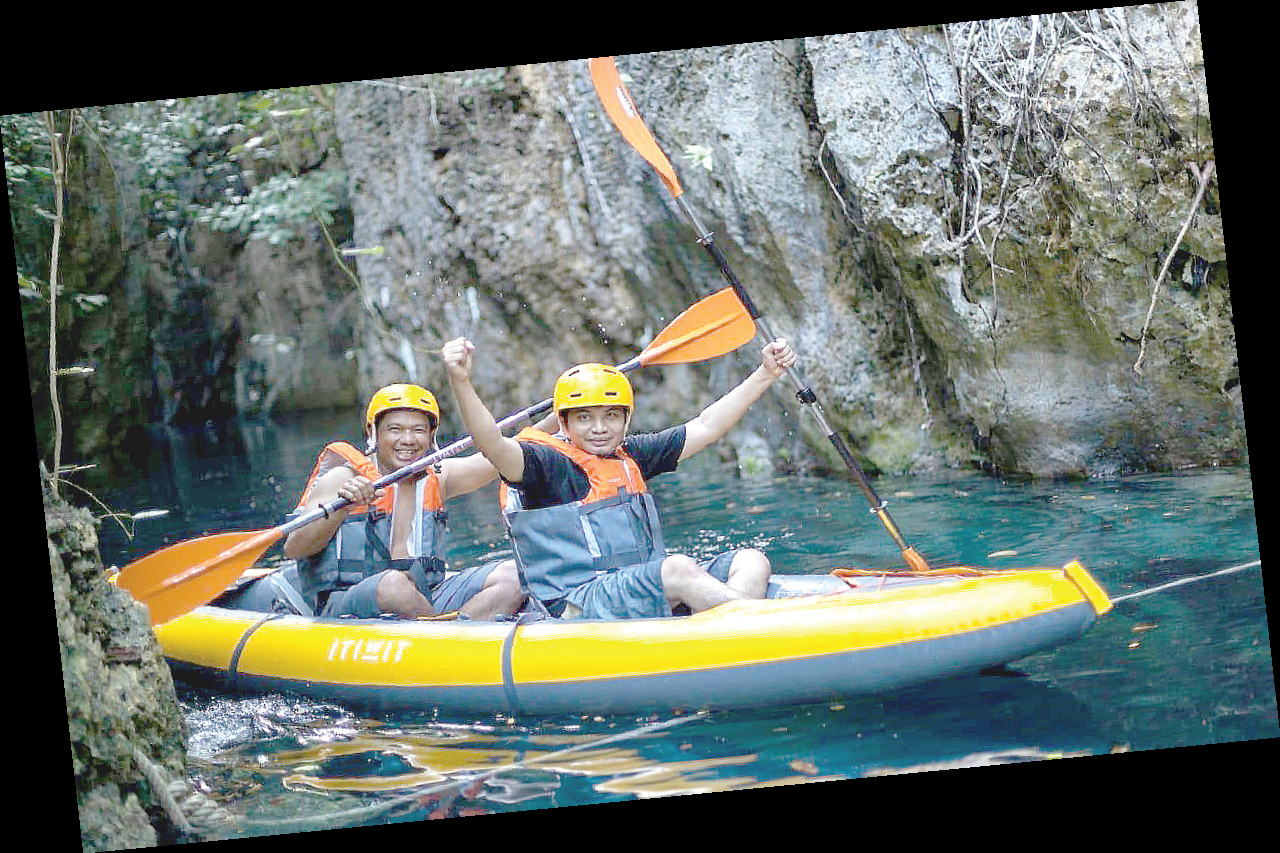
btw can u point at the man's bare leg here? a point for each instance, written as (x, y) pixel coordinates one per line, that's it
(684, 582)
(397, 593)
(749, 573)
(500, 596)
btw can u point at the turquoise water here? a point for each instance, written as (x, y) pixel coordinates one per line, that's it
(1187, 666)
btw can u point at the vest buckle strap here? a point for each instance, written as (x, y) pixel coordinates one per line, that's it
(613, 562)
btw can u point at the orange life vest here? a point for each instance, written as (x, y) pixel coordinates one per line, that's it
(361, 547)
(607, 475)
(366, 467)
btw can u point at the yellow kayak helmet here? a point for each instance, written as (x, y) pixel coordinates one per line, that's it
(592, 385)
(401, 396)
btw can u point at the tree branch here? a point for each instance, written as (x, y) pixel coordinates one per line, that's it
(1202, 177)
(59, 159)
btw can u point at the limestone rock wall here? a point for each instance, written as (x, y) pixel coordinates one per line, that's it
(959, 226)
(123, 716)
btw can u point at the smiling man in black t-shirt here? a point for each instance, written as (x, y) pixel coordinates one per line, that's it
(583, 524)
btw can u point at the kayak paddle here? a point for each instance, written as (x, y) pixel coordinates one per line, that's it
(181, 577)
(624, 115)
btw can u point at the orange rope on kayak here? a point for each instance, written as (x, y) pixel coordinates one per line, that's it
(845, 572)
(440, 617)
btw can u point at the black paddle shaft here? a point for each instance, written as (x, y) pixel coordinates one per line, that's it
(449, 450)
(803, 392)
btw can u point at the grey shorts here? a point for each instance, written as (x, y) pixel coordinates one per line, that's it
(361, 599)
(635, 592)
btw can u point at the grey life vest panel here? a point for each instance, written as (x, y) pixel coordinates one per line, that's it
(562, 547)
(276, 592)
(362, 548)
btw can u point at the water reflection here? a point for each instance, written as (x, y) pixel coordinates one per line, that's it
(301, 756)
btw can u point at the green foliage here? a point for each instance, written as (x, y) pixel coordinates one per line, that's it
(26, 152)
(29, 184)
(235, 162)
(17, 173)
(276, 209)
(33, 291)
(157, 144)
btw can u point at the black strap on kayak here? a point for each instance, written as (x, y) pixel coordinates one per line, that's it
(508, 646)
(235, 653)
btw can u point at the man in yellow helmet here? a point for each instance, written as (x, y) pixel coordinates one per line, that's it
(385, 551)
(583, 525)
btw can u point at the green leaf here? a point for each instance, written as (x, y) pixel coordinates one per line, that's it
(89, 301)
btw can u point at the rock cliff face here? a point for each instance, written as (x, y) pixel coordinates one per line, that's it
(1026, 196)
(960, 228)
(124, 720)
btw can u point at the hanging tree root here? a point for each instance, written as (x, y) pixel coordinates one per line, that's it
(1202, 177)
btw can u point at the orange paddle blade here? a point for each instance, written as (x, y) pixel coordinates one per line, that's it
(623, 113)
(710, 327)
(184, 576)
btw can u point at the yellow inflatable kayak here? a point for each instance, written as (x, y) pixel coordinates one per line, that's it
(816, 637)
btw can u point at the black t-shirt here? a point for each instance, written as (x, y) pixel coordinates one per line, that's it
(550, 479)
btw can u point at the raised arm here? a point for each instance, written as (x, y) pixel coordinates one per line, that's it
(503, 452)
(718, 418)
(463, 475)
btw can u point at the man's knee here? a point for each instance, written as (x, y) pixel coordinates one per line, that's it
(750, 559)
(506, 579)
(504, 574)
(749, 573)
(397, 593)
(678, 568)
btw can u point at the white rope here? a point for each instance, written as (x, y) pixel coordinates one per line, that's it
(159, 780)
(1171, 584)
